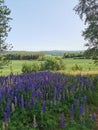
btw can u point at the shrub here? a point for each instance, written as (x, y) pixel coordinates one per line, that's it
(26, 68)
(35, 67)
(96, 62)
(76, 67)
(52, 63)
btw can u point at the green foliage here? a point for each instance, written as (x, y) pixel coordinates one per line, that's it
(52, 63)
(48, 121)
(34, 67)
(25, 56)
(4, 27)
(78, 55)
(96, 62)
(88, 11)
(73, 125)
(76, 67)
(3, 61)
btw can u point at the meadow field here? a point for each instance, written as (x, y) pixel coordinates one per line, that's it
(87, 65)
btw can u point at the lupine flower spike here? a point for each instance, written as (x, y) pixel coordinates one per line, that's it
(35, 122)
(3, 125)
(13, 107)
(62, 120)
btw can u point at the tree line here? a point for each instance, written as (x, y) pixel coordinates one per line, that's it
(27, 56)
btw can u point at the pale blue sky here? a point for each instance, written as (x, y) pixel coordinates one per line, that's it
(45, 25)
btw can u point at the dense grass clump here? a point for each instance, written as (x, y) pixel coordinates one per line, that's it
(45, 100)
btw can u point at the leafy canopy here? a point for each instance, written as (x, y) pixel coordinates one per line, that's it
(4, 29)
(4, 25)
(88, 11)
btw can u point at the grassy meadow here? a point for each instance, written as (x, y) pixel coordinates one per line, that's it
(87, 65)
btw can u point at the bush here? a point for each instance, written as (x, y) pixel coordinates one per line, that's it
(34, 67)
(76, 67)
(52, 63)
(96, 62)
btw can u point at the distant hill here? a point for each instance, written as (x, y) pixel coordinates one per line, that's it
(50, 52)
(59, 52)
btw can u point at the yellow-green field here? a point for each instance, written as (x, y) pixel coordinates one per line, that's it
(88, 66)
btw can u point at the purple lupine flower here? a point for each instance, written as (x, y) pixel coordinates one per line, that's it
(87, 110)
(8, 109)
(92, 87)
(0, 96)
(22, 102)
(84, 100)
(39, 95)
(81, 110)
(19, 99)
(5, 117)
(15, 101)
(62, 120)
(51, 103)
(72, 111)
(55, 91)
(79, 96)
(13, 107)
(94, 116)
(43, 106)
(32, 101)
(59, 97)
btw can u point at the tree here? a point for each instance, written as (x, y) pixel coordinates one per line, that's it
(4, 29)
(88, 11)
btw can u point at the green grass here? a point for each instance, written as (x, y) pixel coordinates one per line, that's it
(15, 66)
(87, 66)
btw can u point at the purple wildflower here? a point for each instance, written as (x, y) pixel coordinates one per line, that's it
(32, 102)
(22, 102)
(5, 117)
(38, 95)
(81, 110)
(72, 111)
(87, 110)
(8, 109)
(62, 120)
(92, 87)
(43, 106)
(94, 116)
(0, 96)
(84, 100)
(13, 107)
(15, 101)
(51, 103)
